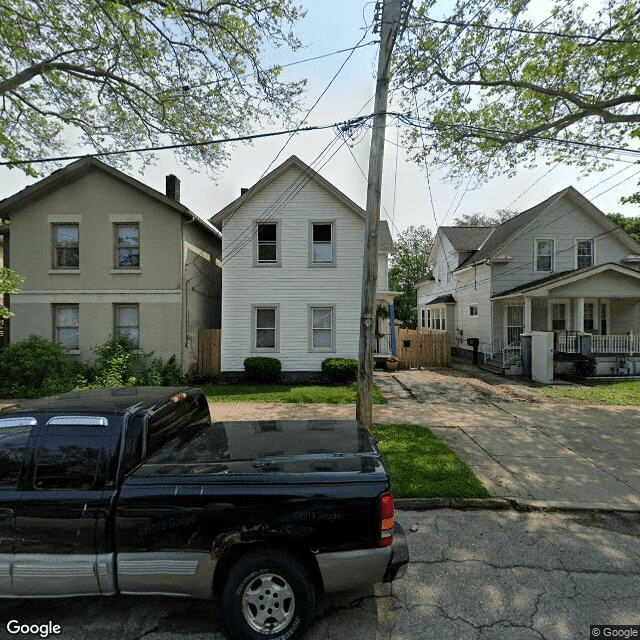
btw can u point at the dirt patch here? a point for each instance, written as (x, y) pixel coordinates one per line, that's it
(466, 383)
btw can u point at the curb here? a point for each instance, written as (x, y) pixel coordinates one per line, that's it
(517, 504)
(425, 504)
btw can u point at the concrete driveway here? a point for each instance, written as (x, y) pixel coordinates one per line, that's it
(522, 444)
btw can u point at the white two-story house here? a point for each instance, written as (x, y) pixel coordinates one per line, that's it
(292, 252)
(561, 266)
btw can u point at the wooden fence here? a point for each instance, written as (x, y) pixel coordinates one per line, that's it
(208, 353)
(424, 349)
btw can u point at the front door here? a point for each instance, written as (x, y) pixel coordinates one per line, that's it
(515, 323)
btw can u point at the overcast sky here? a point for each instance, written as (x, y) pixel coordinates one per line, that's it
(332, 25)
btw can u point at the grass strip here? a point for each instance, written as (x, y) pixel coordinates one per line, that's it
(302, 394)
(422, 466)
(625, 392)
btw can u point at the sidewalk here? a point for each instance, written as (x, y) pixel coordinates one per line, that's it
(544, 455)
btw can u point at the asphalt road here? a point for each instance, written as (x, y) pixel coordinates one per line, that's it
(474, 575)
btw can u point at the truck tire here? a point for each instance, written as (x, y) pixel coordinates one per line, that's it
(268, 594)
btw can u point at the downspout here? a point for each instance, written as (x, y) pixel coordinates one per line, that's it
(392, 328)
(184, 305)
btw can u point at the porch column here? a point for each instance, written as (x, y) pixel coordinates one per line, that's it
(527, 315)
(579, 314)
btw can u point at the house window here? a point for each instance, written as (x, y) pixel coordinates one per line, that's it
(423, 319)
(437, 318)
(66, 325)
(127, 322)
(268, 243)
(322, 243)
(544, 255)
(127, 246)
(322, 333)
(473, 310)
(558, 317)
(585, 253)
(266, 328)
(66, 246)
(588, 317)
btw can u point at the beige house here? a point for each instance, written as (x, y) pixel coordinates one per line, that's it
(292, 273)
(103, 253)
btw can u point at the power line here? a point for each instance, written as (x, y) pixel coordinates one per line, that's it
(556, 34)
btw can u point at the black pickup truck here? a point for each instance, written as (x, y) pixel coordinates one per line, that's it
(134, 491)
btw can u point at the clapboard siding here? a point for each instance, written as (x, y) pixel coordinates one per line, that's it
(292, 285)
(565, 222)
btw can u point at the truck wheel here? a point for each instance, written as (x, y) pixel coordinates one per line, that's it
(268, 594)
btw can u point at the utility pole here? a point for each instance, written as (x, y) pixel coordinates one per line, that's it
(390, 26)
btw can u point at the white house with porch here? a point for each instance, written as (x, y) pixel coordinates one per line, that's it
(561, 266)
(292, 252)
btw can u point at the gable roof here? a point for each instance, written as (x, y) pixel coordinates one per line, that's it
(466, 238)
(292, 162)
(504, 232)
(385, 241)
(567, 277)
(78, 169)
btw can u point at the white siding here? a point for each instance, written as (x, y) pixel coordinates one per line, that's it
(292, 285)
(473, 287)
(565, 222)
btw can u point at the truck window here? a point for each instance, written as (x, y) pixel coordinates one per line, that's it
(67, 457)
(13, 443)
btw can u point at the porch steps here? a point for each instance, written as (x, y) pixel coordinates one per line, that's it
(493, 365)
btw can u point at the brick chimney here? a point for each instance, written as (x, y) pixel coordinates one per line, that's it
(243, 190)
(173, 187)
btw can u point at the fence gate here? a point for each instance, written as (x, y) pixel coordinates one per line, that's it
(424, 349)
(208, 352)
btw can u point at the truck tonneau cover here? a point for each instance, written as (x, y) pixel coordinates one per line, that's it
(271, 446)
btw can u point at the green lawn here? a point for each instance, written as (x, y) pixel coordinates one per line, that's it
(338, 394)
(422, 466)
(626, 392)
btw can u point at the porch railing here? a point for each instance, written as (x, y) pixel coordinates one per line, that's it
(511, 353)
(568, 342)
(492, 348)
(615, 344)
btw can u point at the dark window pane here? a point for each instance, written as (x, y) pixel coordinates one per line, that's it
(322, 233)
(266, 338)
(13, 443)
(68, 457)
(267, 253)
(267, 232)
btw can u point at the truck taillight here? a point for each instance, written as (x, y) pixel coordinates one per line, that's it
(387, 519)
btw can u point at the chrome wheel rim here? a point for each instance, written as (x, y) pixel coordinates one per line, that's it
(268, 603)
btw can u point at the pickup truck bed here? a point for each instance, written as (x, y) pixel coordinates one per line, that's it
(134, 491)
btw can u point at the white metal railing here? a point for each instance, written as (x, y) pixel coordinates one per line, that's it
(615, 344)
(490, 349)
(511, 353)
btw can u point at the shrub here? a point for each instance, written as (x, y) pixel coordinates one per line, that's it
(340, 369)
(159, 373)
(37, 367)
(114, 364)
(262, 368)
(585, 367)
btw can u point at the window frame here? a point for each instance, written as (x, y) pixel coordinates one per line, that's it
(558, 305)
(438, 318)
(592, 255)
(324, 264)
(477, 308)
(116, 246)
(116, 326)
(592, 319)
(538, 256)
(54, 246)
(310, 309)
(254, 328)
(56, 327)
(256, 245)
